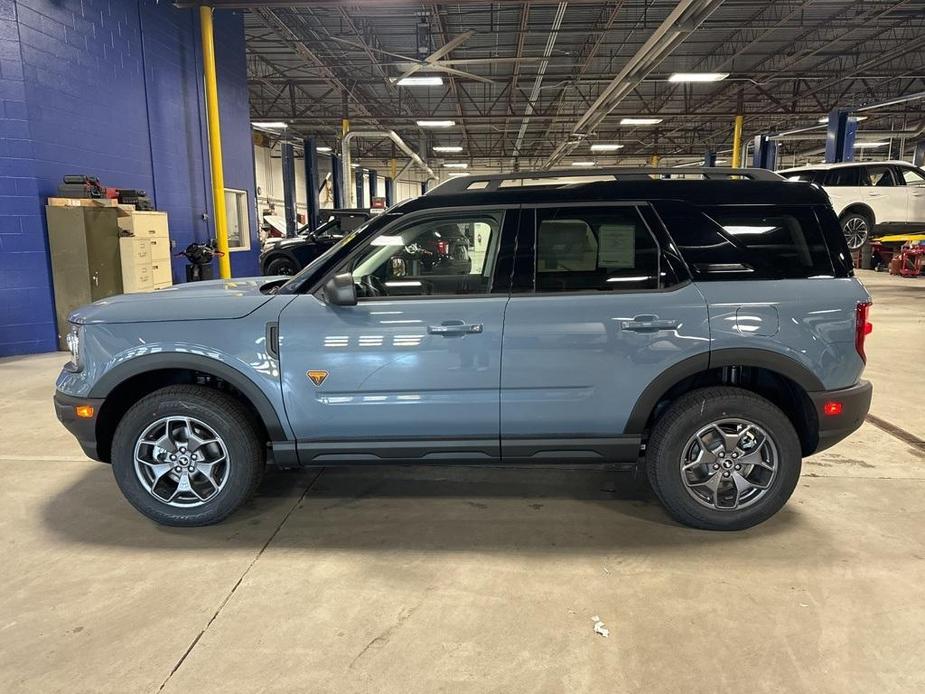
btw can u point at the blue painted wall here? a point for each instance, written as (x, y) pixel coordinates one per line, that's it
(111, 88)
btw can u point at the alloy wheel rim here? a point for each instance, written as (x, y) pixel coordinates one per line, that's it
(855, 232)
(729, 465)
(181, 461)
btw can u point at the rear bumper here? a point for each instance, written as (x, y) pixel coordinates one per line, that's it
(83, 428)
(855, 402)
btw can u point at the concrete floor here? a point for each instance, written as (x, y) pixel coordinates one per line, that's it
(464, 580)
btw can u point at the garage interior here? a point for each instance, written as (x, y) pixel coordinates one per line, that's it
(438, 578)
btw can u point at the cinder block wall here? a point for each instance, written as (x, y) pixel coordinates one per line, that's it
(111, 88)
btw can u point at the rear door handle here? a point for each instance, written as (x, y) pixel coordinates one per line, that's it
(450, 328)
(875, 195)
(648, 324)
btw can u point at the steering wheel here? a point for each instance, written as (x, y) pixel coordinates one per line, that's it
(372, 286)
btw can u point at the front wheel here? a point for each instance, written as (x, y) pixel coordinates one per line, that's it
(281, 266)
(856, 226)
(187, 456)
(723, 459)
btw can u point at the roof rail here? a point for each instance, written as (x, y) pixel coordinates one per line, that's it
(489, 182)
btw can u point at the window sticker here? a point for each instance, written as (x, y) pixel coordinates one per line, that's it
(616, 246)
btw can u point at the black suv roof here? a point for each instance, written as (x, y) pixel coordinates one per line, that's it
(716, 187)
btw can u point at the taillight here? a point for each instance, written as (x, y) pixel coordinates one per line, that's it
(863, 328)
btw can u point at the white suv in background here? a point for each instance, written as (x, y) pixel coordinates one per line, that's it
(872, 196)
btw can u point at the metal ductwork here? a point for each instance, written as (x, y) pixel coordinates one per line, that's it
(683, 20)
(538, 83)
(350, 195)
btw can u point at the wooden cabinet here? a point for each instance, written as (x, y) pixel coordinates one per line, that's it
(145, 251)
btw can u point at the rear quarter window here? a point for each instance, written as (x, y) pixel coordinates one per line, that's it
(722, 242)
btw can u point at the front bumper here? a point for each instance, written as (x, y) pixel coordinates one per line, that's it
(83, 428)
(855, 403)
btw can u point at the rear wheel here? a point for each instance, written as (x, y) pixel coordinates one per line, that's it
(187, 456)
(856, 227)
(723, 459)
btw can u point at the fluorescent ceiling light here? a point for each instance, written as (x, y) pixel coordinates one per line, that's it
(448, 148)
(271, 125)
(605, 148)
(583, 163)
(456, 165)
(436, 123)
(698, 76)
(640, 121)
(322, 149)
(355, 166)
(420, 81)
(456, 174)
(825, 119)
(869, 145)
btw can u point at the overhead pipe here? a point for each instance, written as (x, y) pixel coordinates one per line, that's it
(687, 16)
(394, 137)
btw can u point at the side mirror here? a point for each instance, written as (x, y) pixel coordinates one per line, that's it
(340, 290)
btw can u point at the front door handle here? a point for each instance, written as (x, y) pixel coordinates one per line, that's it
(648, 324)
(455, 327)
(875, 195)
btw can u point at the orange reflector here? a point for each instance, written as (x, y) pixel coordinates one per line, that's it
(84, 411)
(831, 408)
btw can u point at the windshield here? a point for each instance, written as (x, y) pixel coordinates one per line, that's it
(339, 250)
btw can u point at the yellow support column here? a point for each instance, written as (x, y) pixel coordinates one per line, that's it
(215, 141)
(737, 142)
(654, 160)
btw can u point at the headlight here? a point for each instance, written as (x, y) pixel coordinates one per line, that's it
(73, 344)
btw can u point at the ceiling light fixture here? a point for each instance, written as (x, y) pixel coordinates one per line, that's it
(605, 148)
(436, 123)
(583, 163)
(448, 148)
(422, 81)
(869, 145)
(322, 149)
(456, 165)
(698, 76)
(640, 121)
(456, 174)
(270, 125)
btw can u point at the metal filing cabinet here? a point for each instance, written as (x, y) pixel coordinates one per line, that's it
(83, 244)
(145, 250)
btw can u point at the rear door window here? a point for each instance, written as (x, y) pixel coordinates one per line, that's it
(880, 176)
(581, 249)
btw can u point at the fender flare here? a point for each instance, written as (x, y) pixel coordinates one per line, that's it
(761, 358)
(194, 362)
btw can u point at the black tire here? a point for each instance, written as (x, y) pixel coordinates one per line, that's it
(226, 417)
(857, 227)
(281, 266)
(683, 419)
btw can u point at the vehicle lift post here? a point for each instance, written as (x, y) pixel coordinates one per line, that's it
(764, 153)
(358, 177)
(373, 185)
(311, 180)
(709, 158)
(839, 137)
(388, 191)
(288, 161)
(337, 181)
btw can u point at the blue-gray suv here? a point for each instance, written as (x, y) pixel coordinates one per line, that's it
(704, 324)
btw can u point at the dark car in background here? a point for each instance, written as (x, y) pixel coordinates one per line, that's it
(286, 256)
